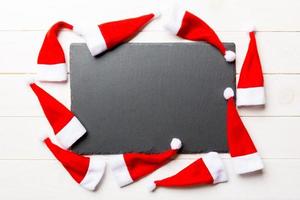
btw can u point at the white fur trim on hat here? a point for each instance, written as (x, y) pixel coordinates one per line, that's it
(93, 37)
(215, 167)
(228, 92)
(94, 173)
(175, 20)
(247, 163)
(250, 96)
(70, 133)
(120, 170)
(229, 56)
(176, 144)
(52, 72)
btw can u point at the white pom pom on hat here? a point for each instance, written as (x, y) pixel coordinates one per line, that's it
(206, 170)
(30, 80)
(176, 144)
(151, 186)
(43, 136)
(250, 28)
(141, 164)
(229, 56)
(156, 13)
(250, 90)
(228, 93)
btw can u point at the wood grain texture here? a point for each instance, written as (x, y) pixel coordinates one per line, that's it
(229, 15)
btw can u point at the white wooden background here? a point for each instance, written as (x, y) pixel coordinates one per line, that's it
(29, 171)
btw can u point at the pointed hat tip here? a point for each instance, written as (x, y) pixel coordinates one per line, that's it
(228, 93)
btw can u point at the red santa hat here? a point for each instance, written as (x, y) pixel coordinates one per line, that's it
(241, 148)
(130, 167)
(66, 126)
(188, 26)
(207, 170)
(108, 35)
(250, 89)
(86, 171)
(51, 60)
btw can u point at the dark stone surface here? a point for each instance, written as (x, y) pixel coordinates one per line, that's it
(138, 96)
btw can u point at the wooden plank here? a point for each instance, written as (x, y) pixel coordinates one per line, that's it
(28, 179)
(275, 137)
(271, 48)
(26, 45)
(229, 15)
(17, 98)
(283, 96)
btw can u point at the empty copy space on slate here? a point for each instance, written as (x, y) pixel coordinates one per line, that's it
(138, 96)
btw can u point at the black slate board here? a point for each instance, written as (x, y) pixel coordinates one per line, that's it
(138, 96)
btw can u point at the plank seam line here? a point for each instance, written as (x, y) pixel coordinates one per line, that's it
(187, 158)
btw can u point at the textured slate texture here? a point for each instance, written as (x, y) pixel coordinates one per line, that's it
(138, 96)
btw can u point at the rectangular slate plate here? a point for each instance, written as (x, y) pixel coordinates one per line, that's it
(138, 96)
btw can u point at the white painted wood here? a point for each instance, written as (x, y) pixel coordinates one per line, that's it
(283, 96)
(229, 15)
(19, 49)
(35, 179)
(279, 50)
(274, 137)
(17, 98)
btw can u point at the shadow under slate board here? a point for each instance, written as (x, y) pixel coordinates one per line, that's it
(138, 96)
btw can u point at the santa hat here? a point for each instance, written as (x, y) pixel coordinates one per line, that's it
(51, 60)
(108, 35)
(86, 171)
(207, 170)
(65, 125)
(241, 148)
(188, 26)
(250, 89)
(130, 167)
